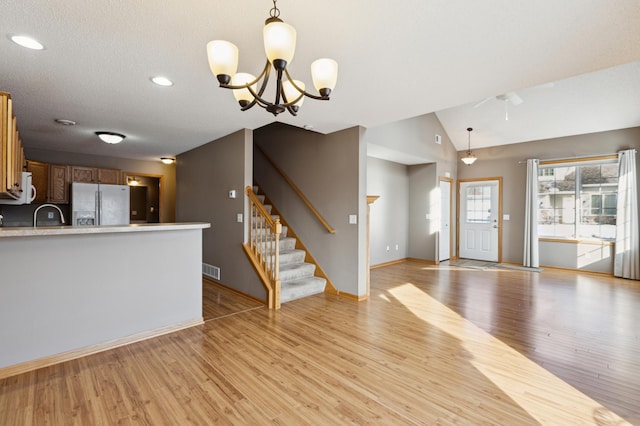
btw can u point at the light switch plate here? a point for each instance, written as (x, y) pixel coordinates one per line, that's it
(506, 217)
(239, 218)
(353, 219)
(232, 193)
(438, 139)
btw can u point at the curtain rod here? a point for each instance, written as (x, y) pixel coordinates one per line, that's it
(578, 158)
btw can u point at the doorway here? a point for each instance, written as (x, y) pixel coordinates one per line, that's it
(444, 237)
(480, 219)
(145, 197)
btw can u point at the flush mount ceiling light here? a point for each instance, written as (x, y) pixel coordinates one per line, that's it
(28, 42)
(469, 159)
(162, 81)
(279, 45)
(168, 160)
(110, 137)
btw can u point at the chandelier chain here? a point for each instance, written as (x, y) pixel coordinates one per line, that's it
(274, 12)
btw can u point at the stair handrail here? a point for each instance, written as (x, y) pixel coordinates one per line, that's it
(297, 191)
(264, 246)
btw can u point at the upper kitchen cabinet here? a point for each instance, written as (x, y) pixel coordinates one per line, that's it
(109, 176)
(95, 175)
(84, 174)
(40, 179)
(59, 179)
(12, 159)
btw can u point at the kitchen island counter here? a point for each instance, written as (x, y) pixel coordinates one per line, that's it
(30, 231)
(68, 291)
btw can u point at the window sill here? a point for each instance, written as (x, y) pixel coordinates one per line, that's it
(574, 241)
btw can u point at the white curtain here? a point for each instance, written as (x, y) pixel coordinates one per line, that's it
(627, 250)
(530, 257)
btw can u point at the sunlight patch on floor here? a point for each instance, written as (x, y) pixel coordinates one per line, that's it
(544, 396)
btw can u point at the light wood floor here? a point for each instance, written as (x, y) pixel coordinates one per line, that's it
(431, 346)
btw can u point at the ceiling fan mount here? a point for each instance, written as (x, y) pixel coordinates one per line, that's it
(512, 97)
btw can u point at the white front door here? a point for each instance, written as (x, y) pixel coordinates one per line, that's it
(480, 220)
(444, 244)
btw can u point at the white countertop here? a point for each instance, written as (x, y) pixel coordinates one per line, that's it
(107, 229)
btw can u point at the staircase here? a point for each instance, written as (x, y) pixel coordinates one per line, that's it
(297, 277)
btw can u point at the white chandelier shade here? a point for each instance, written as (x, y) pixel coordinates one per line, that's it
(240, 79)
(324, 73)
(279, 41)
(223, 57)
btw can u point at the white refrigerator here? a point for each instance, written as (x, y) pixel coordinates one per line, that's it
(99, 204)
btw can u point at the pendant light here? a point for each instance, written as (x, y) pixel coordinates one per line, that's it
(469, 159)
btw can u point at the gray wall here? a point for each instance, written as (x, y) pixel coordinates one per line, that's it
(414, 141)
(205, 175)
(389, 214)
(423, 200)
(505, 161)
(329, 170)
(415, 137)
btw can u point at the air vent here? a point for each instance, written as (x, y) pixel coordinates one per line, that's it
(211, 271)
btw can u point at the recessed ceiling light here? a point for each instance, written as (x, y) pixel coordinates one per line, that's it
(162, 81)
(110, 137)
(28, 42)
(168, 160)
(65, 122)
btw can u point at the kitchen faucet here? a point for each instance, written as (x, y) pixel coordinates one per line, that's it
(35, 213)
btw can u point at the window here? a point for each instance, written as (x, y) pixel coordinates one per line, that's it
(479, 204)
(578, 201)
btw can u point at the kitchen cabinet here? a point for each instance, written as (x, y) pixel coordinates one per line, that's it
(109, 176)
(12, 159)
(95, 175)
(59, 179)
(84, 174)
(40, 179)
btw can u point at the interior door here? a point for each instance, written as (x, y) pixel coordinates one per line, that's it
(444, 241)
(479, 220)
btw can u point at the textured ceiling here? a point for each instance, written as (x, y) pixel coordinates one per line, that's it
(397, 60)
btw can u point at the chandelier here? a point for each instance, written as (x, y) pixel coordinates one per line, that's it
(470, 158)
(279, 46)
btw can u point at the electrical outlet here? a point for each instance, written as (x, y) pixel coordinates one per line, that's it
(239, 218)
(397, 247)
(49, 215)
(388, 248)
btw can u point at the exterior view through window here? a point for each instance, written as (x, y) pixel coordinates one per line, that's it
(578, 201)
(479, 204)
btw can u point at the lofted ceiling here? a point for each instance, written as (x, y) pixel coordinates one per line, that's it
(396, 61)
